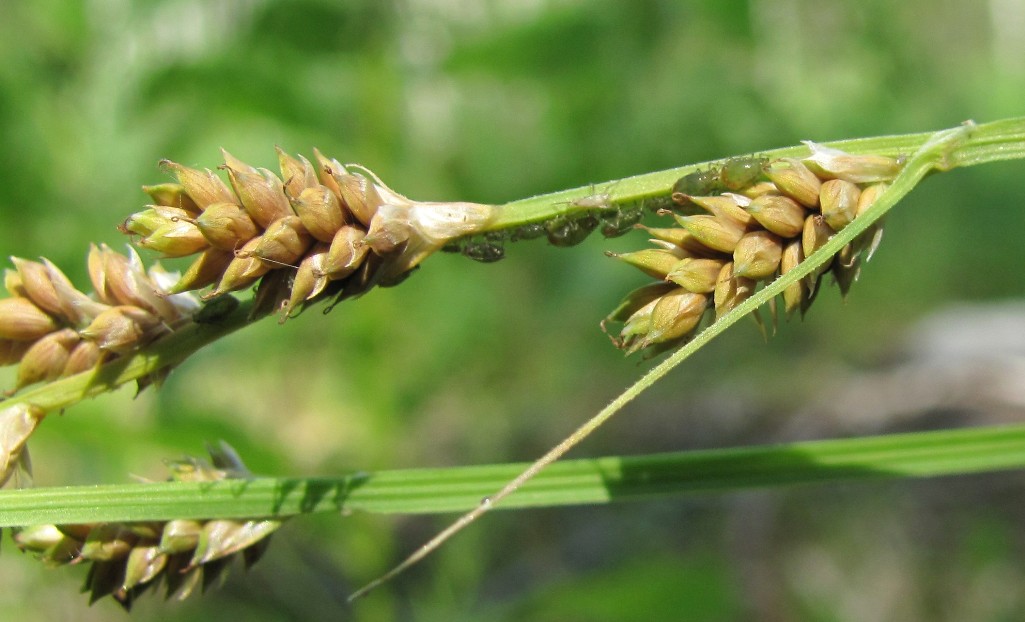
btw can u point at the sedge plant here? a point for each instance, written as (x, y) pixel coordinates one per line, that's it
(756, 235)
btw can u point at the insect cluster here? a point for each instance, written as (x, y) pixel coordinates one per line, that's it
(741, 224)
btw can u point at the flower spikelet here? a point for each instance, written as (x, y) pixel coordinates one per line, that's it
(741, 225)
(331, 229)
(127, 559)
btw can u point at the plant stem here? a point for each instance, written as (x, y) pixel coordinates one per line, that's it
(571, 482)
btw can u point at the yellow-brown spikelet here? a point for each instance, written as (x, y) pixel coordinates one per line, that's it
(47, 358)
(22, 320)
(226, 226)
(375, 235)
(795, 180)
(791, 208)
(127, 559)
(696, 274)
(838, 202)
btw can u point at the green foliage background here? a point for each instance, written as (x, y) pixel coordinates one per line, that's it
(470, 363)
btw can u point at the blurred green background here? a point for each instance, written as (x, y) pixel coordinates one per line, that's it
(470, 363)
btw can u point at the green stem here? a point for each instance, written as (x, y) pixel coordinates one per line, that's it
(571, 482)
(999, 140)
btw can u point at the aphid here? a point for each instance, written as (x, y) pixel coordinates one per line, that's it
(619, 222)
(595, 200)
(698, 183)
(528, 232)
(484, 251)
(739, 173)
(564, 231)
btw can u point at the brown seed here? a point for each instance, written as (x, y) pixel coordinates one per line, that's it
(359, 195)
(283, 243)
(815, 235)
(77, 307)
(203, 186)
(261, 194)
(144, 564)
(838, 200)
(795, 180)
(731, 290)
(674, 316)
(298, 173)
(172, 195)
(724, 206)
(205, 270)
(179, 238)
(121, 329)
(309, 279)
(46, 359)
(695, 274)
(241, 272)
(35, 280)
(107, 542)
(795, 294)
(84, 357)
(721, 234)
(780, 215)
(757, 255)
(226, 226)
(326, 168)
(21, 320)
(11, 351)
(13, 284)
(637, 299)
(346, 253)
(836, 164)
(869, 195)
(655, 262)
(320, 211)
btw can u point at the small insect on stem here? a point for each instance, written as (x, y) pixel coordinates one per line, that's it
(595, 200)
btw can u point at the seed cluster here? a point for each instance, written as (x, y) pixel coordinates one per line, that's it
(128, 559)
(741, 224)
(327, 229)
(52, 330)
